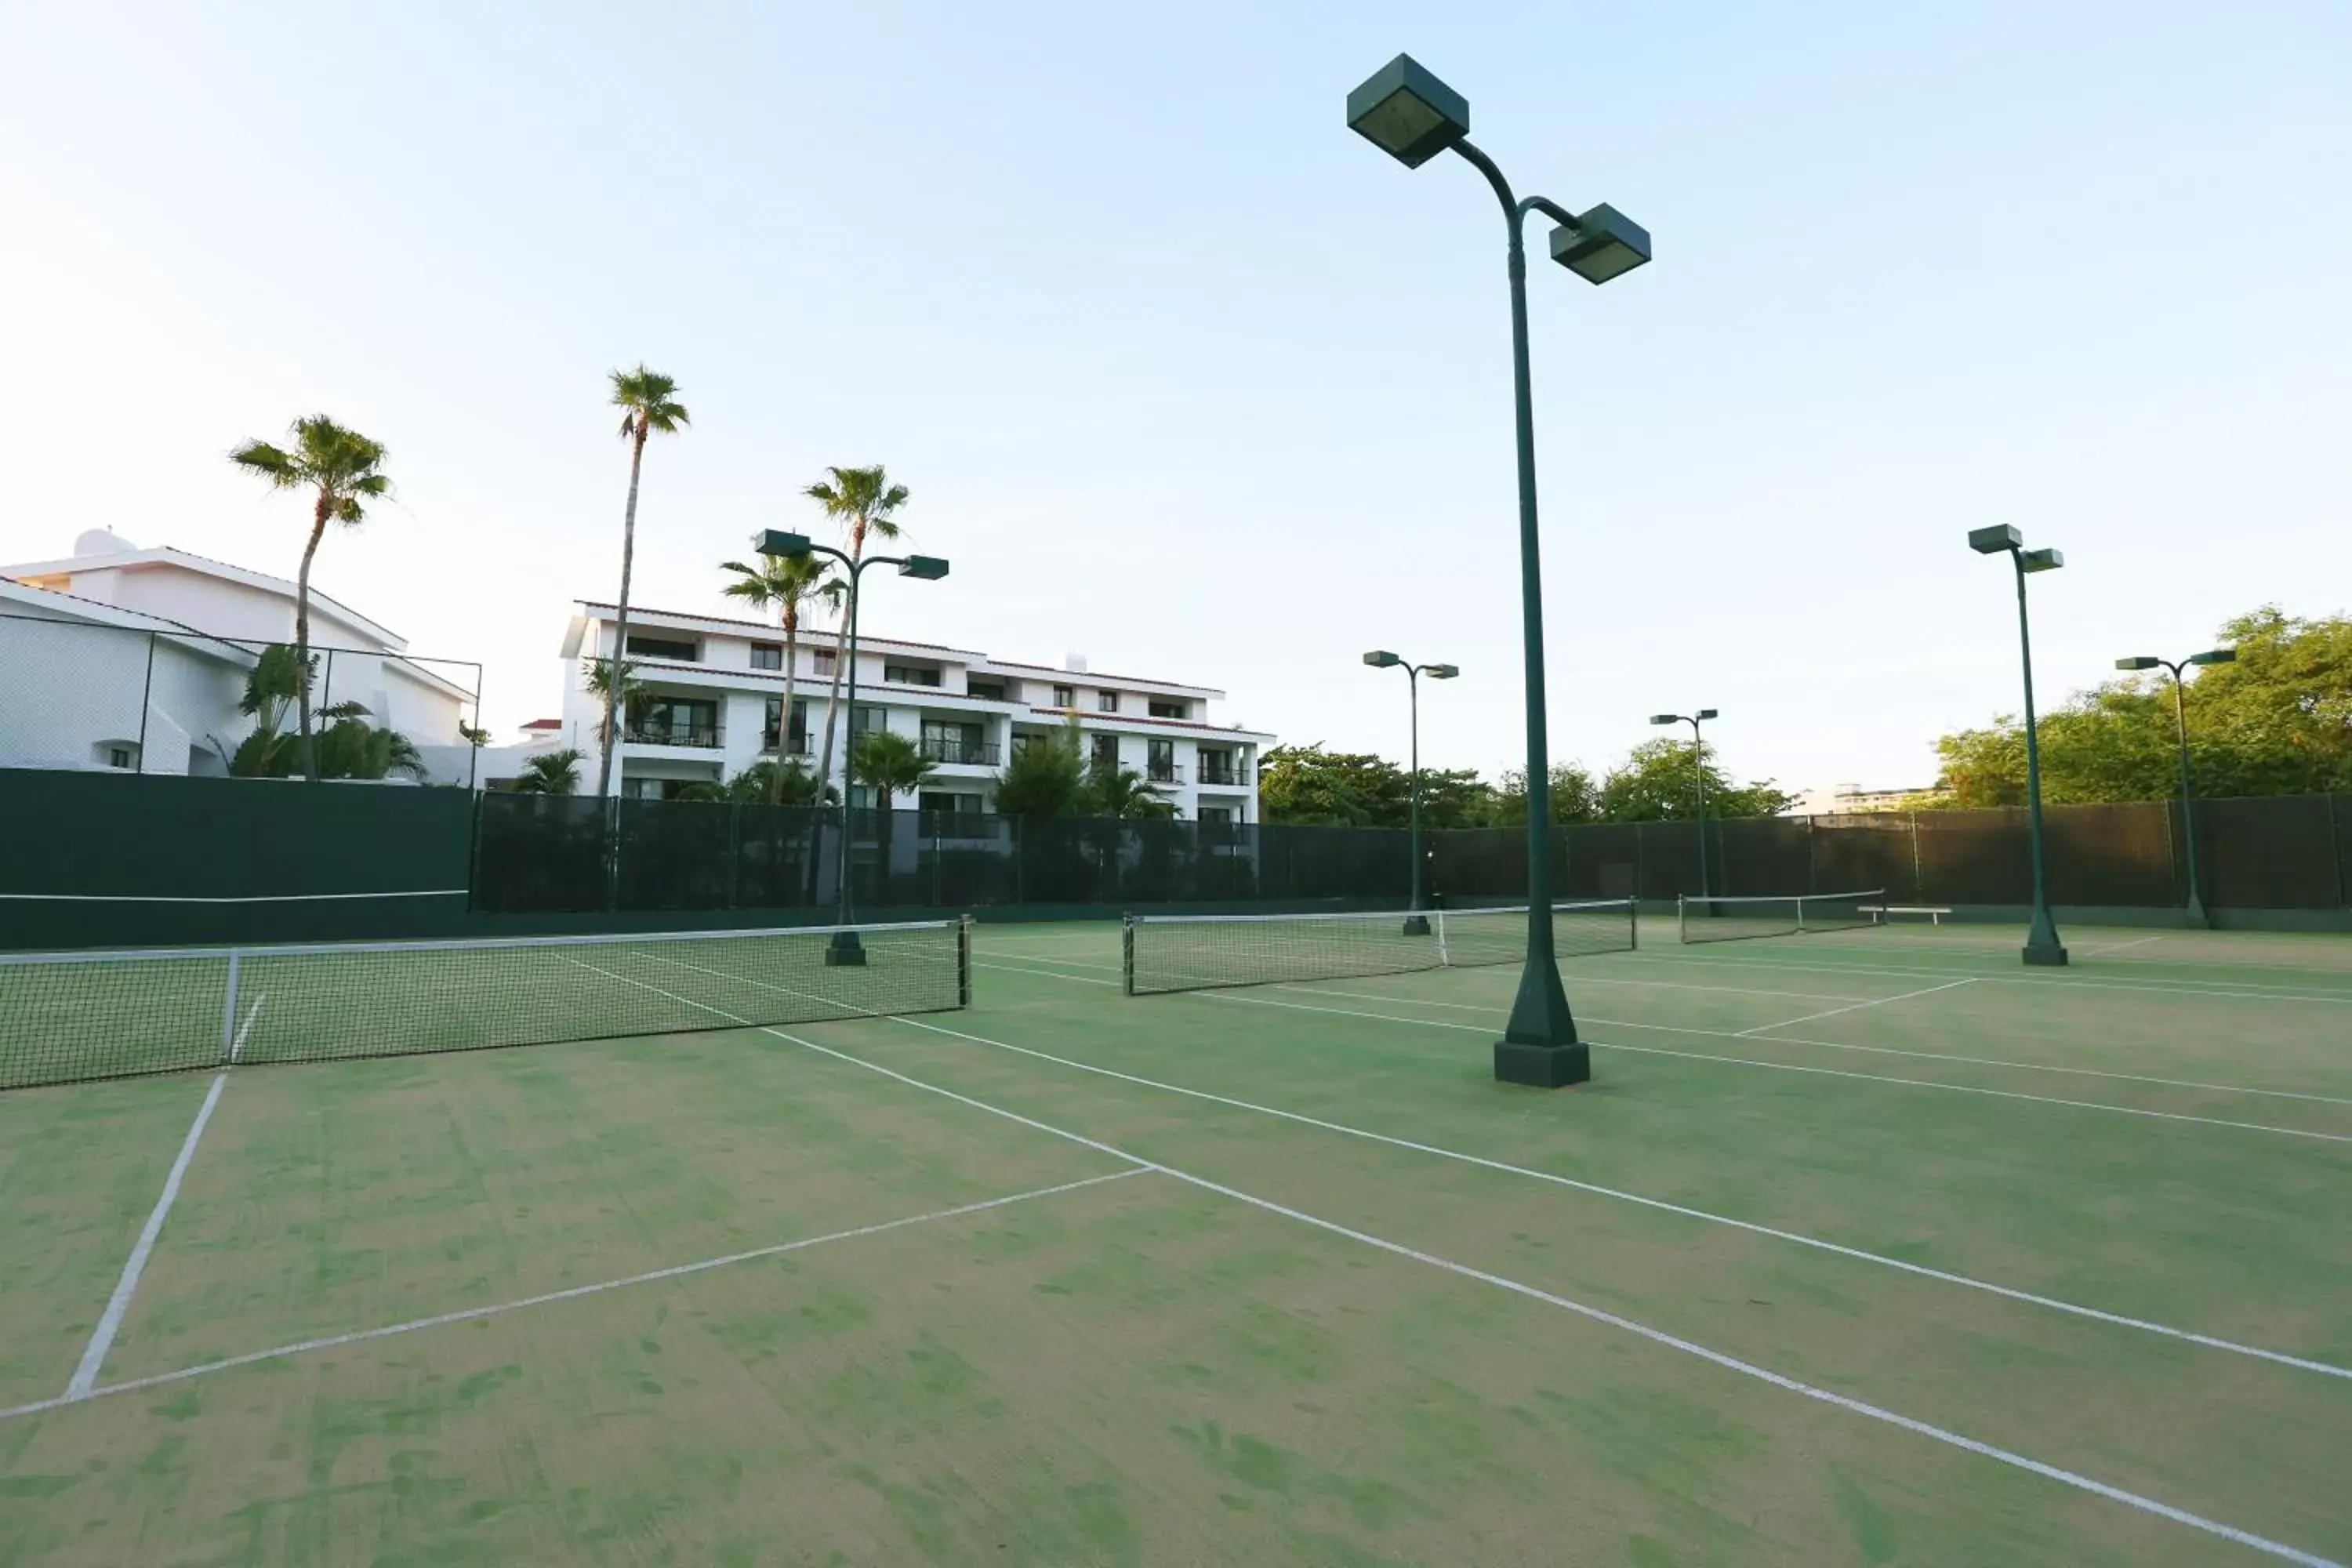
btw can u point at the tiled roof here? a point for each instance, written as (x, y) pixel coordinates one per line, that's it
(808, 635)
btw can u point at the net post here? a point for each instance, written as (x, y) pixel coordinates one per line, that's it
(228, 1011)
(1444, 958)
(1682, 919)
(1633, 925)
(963, 961)
(1127, 954)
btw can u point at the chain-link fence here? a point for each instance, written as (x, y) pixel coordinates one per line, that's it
(157, 699)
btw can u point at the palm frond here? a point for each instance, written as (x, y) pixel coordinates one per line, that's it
(650, 399)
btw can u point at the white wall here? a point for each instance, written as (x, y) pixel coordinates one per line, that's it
(72, 690)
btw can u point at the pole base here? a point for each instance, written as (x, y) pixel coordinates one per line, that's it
(845, 950)
(1542, 1067)
(2194, 915)
(2052, 956)
(1416, 925)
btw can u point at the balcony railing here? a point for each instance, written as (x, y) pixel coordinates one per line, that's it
(1218, 773)
(796, 746)
(1156, 772)
(946, 749)
(706, 736)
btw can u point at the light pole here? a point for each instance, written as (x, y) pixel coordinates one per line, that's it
(2041, 943)
(1411, 116)
(2180, 726)
(1699, 746)
(845, 947)
(1415, 922)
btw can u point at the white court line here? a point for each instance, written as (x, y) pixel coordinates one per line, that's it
(677, 1271)
(1856, 1007)
(101, 1339)
(2246, 990)
(1045, 973)
(1657, 1336)
(1796, 1067)
(1800, 1040)
(236, 1046)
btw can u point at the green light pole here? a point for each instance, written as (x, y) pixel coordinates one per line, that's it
(2181, 725)
(845, 947)
(1411, 116)
(1699, 748)
(1416, 923)
(2041, 943)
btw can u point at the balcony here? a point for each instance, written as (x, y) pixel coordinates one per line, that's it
(796, 746)
(949, 749)
(705, 737)
(1219, 772)
(1159, 772)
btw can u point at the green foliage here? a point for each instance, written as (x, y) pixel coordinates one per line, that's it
(1123, 795)
(2277, 722)
(596, 674)
(890, 764)
(863, 500)
(1575, 798)
(796, 786)
(350, 748)
(1659, 780)
(549, 773)
(341, 467)
(648, 403)
(1046, 777)
(474, 735)
(1357, 789)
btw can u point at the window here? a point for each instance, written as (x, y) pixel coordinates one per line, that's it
(1108, 702)
(117, 756)
(946, 741)
(912, 673)
(796, 744)
(1105, 753)
(674, 721)
(822, 662)
(1216, 817)
(935, 800)
(767, 656)
(1161, 709)
(1065, 697)
(1216, 766)
(863, 719)
(986, 690)
(1159, 761)
(663, 647)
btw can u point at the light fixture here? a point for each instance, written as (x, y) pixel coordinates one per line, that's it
(928, 568)
(1381, 659)
(1601, 245)
(1994, 540)
(1441, 671)
(2215, 656)
(775, 541)
(1408, 113)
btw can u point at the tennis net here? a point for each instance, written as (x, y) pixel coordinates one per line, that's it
(1737, 919)
(69, 1016)
(1191, 953)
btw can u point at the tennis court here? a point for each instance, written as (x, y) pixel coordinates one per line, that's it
(1863, 1246)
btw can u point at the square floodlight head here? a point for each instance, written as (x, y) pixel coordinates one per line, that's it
(2040, 560)
(2143, 662)
(1408, 113)
(1665, 717)
(2215, 656)
(1706, 713)
(1443, 672)
(775, 541)
(1604, 244)
(925, 568)
(1992, 540)
(1381, 658)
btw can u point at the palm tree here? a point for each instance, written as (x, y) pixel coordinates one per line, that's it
(648, 401)
(1123, 793)
(344, 470)
(892, 764)
(864, 501)
(785, 583)
(550, 772)
(596, 674)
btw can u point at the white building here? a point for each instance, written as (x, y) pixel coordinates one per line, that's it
(86, 685)
(193, 602)
(715, 704)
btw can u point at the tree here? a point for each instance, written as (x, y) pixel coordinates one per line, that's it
(2276, 721)
(864, 501)
(274, 681)
(792, 784)
(473, 735)
(1659, 781)
(1046, 776)
(648, 403)
(1307, 784)
(352, 748)
(1124, 795)
(344, 471)
(890, 764)
(787, 585)
(595, 674)
(549, 773)
(1574, 797)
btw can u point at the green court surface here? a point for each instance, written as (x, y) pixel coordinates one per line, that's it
(1866, 1248)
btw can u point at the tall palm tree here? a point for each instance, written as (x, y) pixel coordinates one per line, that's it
(787, 585)
(891, 764)
(344, 471)
(864, 501)
(648, 402)
(596, 674)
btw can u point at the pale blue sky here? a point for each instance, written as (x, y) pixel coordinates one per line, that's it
(1186, 377)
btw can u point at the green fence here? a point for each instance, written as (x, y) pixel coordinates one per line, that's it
(113, 859)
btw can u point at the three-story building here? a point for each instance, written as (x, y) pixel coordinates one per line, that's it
(712, 702)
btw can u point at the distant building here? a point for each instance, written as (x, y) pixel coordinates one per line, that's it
(95, 702)
(715, 704)
(1837, 799)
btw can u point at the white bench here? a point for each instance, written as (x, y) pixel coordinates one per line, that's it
(1878, 913)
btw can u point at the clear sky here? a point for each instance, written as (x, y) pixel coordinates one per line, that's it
(1187, 377)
